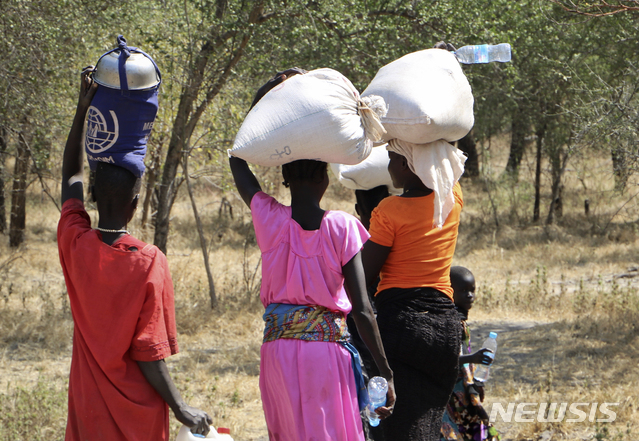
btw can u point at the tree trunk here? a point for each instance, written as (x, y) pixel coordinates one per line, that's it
(540, 142)
(3, 209)
(200, 231)
(558, 166)
(18, 195)
(167, 187)
(151, 178)
(194, 99)
(556, 182)
(620, 167)
(467, 145)
(519, 131)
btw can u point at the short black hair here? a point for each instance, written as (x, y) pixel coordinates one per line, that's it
(460, 274)
(367, 200)
(304, 170)
(115, 185)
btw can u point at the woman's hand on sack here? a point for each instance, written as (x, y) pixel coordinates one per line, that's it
(446, 46)
(277, 79)
(288, 73)
(282, 76)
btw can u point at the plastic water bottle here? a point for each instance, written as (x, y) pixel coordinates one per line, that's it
(377, 389)
(483, 53)
(482, 371)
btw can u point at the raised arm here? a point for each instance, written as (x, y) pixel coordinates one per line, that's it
(245, 180)
(72, 163)
(364, 317)
(157, 374)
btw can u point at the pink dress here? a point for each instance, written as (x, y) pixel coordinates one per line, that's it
(308, 388)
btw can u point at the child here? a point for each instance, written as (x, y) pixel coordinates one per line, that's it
(121, 298)
(312, 277)
(465, 418)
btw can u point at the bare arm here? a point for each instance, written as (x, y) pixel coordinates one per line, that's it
(72, 166)
(373, 258)
(157, 374)
(245, 180)
(364, 318)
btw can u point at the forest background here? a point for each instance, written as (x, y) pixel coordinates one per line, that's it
(549, 225)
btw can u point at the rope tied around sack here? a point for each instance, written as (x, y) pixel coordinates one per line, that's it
(371, 109)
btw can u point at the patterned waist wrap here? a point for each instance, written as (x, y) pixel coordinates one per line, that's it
(304, 322)
(314, 323)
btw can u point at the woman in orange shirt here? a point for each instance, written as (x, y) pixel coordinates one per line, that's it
(413, 238)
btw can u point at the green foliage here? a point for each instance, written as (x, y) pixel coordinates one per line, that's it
(46, 43)
(602, 433)
(33, 414)
(571, 75)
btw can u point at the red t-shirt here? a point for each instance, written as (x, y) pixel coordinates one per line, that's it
(122, 305)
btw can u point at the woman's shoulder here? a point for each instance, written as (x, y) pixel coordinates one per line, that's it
(269, 219)
(390, 201)
(265, 202)
(339, 217)
(261, 198)
(345, 232)
(392, 205)
(341, 223)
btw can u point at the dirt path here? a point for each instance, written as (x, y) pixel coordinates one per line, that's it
(565, 361)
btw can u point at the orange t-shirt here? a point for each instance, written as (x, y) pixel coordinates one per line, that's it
(122, 306)
(421, 254)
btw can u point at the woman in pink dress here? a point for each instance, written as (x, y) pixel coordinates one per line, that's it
(312, 277)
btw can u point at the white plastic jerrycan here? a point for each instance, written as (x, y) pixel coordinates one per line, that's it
(221, 434)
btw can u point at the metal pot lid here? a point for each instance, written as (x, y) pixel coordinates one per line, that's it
(141, 72)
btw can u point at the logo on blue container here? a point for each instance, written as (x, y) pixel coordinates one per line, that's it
(98, 137)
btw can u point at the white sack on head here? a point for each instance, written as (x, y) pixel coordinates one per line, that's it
(370, 173)
(318, 115)
(439, 165)
(428, 97)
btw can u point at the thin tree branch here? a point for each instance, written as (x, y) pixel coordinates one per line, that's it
(45, 188)
(602, 9)
(200, 231)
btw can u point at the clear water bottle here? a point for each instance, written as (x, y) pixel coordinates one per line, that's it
(482, 371)
(377, 389)
(483, 53)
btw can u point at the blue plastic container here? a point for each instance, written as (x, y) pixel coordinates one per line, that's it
(123, 109)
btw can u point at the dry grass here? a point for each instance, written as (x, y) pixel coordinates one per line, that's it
(564, 298)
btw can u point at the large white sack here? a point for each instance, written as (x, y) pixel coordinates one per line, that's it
(310, 116)
(370, 173)
(428, 97)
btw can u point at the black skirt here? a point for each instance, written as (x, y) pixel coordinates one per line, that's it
(421, 332)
